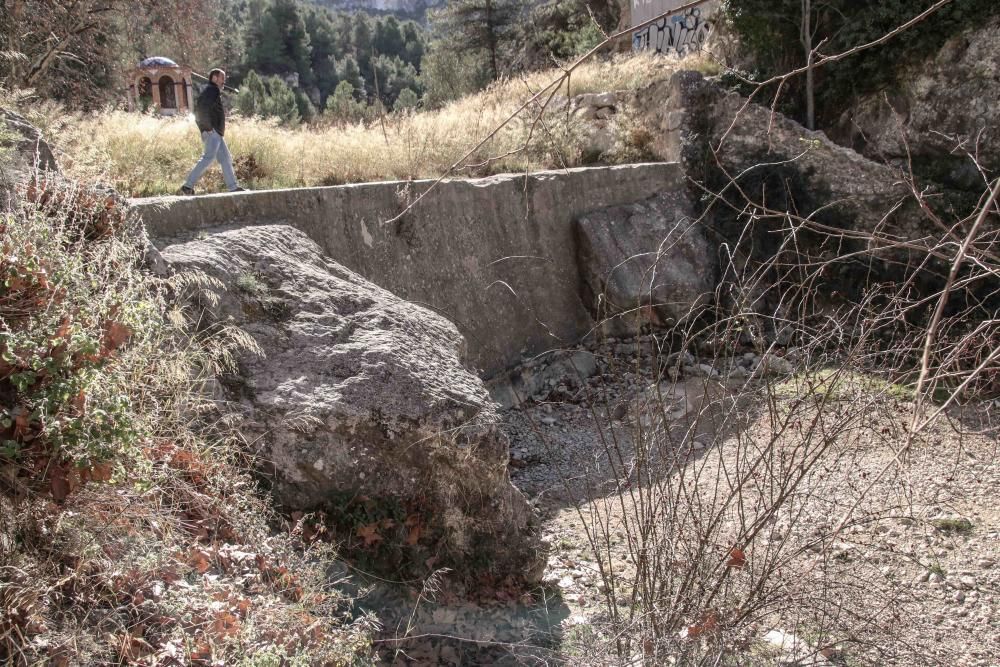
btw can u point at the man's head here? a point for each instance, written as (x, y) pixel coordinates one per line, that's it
(218, 77)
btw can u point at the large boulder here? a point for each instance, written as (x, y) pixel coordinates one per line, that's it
(645, 263)
(941, 112)
(362, 394)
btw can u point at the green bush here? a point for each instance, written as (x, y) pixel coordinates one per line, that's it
(73, 313)
(271, 97)
(342, 107)
(407, 100)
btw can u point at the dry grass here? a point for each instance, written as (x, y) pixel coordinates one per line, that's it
(145, 155)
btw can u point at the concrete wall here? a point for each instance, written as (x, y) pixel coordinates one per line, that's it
(497, 255)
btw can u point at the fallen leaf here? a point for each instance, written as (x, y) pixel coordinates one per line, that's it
(369, 534)
(737, 558)
(60, 487)
(115, 335)
(200, 560)
(709, 621)
(101, 472)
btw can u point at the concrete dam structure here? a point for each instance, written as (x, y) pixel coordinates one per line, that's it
(497, 256)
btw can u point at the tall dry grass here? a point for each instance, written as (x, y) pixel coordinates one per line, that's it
(146, 155)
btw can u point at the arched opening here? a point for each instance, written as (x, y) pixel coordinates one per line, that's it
(168, 98)
(145, 93)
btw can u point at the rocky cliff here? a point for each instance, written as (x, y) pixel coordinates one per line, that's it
(943, 116)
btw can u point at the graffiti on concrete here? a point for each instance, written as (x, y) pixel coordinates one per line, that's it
(681, 33)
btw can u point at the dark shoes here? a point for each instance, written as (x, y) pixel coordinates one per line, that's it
(188, 192)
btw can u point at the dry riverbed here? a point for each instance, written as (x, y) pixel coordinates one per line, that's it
(914, 573)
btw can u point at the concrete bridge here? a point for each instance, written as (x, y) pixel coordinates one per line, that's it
(497, 256)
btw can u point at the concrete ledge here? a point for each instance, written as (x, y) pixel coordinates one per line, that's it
(497, 255)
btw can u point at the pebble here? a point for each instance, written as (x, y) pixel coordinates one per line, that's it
(708, 370)
(935, 578)
(985, 563)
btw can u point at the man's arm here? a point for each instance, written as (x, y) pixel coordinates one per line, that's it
(217, 114)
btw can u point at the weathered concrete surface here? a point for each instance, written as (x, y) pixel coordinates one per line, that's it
(647, 262)
(496, 256)
(362, 393)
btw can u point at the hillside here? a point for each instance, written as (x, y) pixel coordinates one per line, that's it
(405, 8)
(617, 363)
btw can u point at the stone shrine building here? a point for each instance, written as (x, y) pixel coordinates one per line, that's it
(162, 84)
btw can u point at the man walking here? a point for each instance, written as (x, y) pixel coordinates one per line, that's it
(210, 116)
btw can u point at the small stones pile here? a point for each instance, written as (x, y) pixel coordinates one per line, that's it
(623, 364)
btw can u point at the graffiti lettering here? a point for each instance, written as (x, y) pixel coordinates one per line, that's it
(679, 34)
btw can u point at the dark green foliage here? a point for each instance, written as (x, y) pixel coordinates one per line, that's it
(488, 29)
(770, 29)
(277, 40)
(564, 29)
(349, 72)
(271, 97)
(286, 37)
(394, 76)
(342, 106)
(447, 76)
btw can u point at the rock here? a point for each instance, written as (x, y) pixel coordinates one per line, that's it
(596, 100)
(707, 370)
(604, 113)
(772, 365)
(27, 148)
(511, 388)
(844, 189)
(739, 373)
(985, 563)
(549, 421)
(794, 650)
(598, 140)
(645, 262)
(935, 578)
(948, 99)
(361, 393)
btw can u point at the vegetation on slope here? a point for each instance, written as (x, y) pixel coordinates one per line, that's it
(146, 155)
(130, 529)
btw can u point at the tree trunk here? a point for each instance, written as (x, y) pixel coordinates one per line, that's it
(492, 39)
(806, 34)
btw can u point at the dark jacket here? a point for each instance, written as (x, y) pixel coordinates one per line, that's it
(209, 112)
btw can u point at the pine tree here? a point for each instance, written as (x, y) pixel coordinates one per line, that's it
(349, 72)
(323, 39)
(296, 50)
(485, 26)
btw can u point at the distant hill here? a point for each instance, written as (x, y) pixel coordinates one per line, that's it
(408, 8)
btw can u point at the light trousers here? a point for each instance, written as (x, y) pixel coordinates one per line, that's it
(215, 149)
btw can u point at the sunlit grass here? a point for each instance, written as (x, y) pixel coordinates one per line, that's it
(146, 155)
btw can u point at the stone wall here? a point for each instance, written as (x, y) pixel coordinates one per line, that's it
(497, 256)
